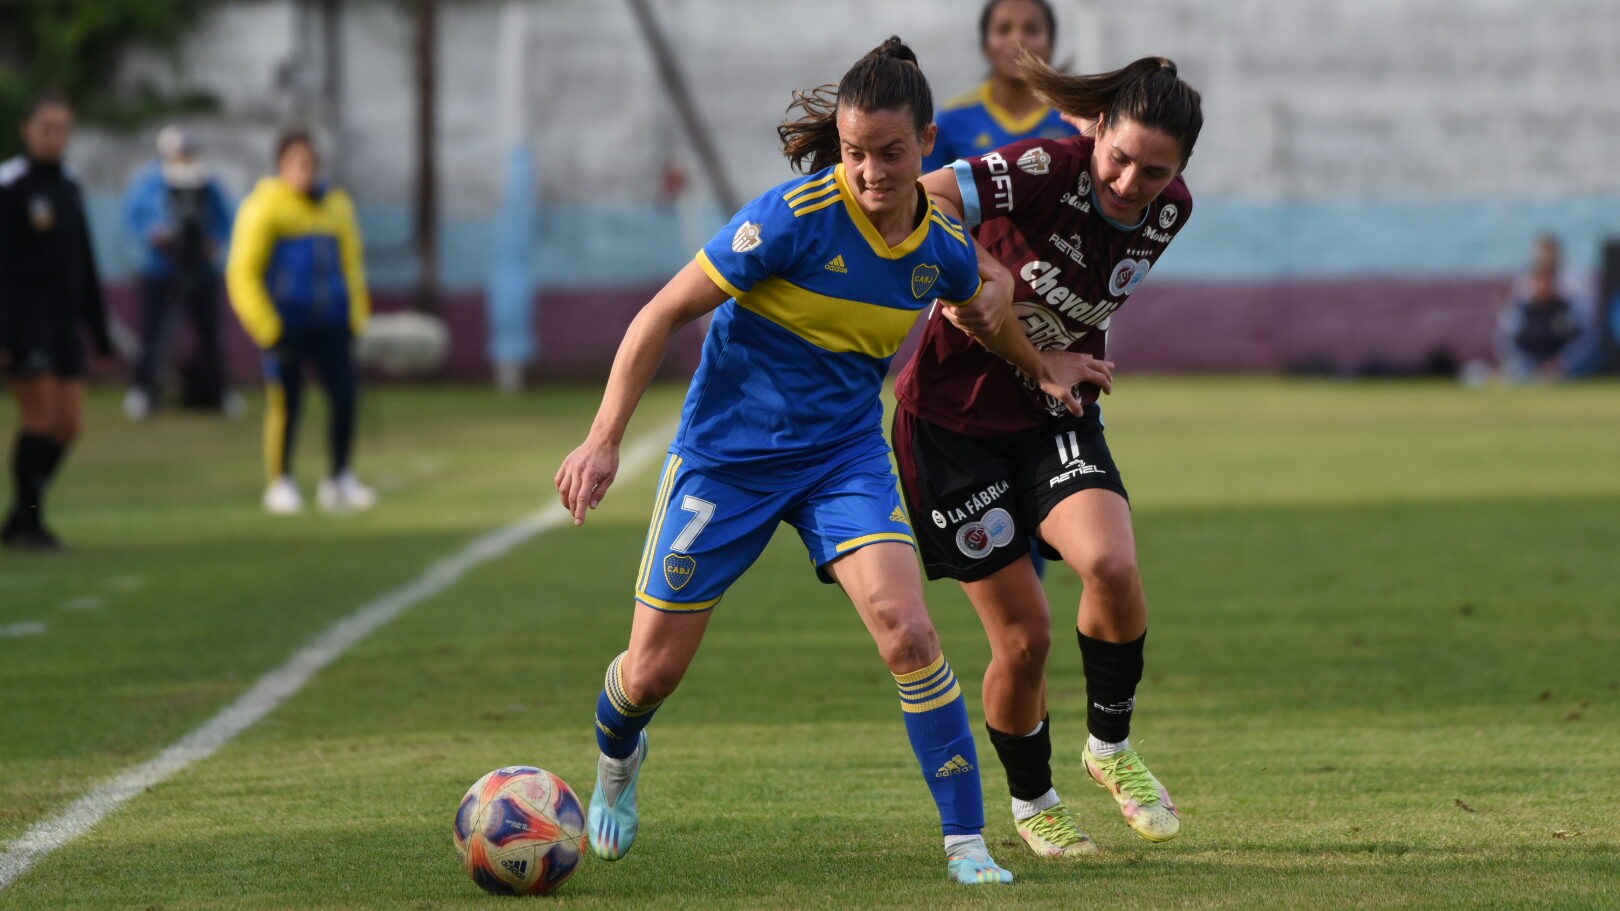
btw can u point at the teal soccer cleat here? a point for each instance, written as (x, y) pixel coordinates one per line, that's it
(612, 820)
(970, 864)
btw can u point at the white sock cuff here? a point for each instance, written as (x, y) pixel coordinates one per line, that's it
(1024, 809)
(1103, 750)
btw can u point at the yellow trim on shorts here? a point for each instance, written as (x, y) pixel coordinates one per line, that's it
(656, 526)
(864, 540)
(677, 607)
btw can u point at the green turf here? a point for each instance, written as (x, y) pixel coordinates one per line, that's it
(1384, 669)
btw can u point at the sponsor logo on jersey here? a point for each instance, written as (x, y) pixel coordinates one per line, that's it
(1167, 215)
(1046, 330)
(973, 540)
(1069, 245)
(955, 766)
(1083, 185)
(1127, 274)
(1000, 181)
(999, 523)
(1158, 237)
(1036, 161)
(678, 570)
(747, 238)
(1042, 278)
(923, 278)
(836, 264)
(41, 214)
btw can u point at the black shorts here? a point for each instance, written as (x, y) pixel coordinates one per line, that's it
(41, 345)
(976, 501)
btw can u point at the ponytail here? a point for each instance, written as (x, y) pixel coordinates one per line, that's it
(887, 78)
(1147, 91)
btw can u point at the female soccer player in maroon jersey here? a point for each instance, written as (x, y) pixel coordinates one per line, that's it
(987, 458)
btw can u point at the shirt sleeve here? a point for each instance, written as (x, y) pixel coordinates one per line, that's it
(959, 281)
(252, 240)
(352, 250)
(759, 241)
(996, 183)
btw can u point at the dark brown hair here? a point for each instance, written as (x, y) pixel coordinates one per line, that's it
(49, 98)
(989, 8)
(1148, 92)
(290, 138)
(886, 79)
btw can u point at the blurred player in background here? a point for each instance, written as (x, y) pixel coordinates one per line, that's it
(816, 283)
(987, 458)
(49, 287)
(177, 212)
(1547, 331)
(297, 280)
(1002, 109)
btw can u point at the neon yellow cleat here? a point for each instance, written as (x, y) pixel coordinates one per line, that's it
(1053, 833)
(1146, 804)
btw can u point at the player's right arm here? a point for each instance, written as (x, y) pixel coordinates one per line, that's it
(587, 472)
(252, 242)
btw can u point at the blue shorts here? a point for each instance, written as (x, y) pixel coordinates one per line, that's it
(705, 532)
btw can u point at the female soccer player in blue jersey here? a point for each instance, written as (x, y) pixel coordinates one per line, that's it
(1002, 109)
(816, 284)
(1079, 222)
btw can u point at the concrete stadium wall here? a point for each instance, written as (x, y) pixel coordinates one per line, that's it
(1354, 155)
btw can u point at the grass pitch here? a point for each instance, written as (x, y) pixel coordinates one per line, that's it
(1383, 669)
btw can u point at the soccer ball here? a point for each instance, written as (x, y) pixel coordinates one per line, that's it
(520, 831)
(404, 344)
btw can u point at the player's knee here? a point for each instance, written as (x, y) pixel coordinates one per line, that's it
(1024, 647)
(650, 682)
(1110, 570)
(907, 640)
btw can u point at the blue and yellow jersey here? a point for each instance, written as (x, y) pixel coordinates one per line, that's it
(973, 124)
(793, 364)
(296, 260)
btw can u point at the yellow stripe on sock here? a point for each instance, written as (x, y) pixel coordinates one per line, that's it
(920, 675)
(946, 698)
(275, 431)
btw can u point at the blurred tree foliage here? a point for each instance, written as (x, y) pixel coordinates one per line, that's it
(75, 47)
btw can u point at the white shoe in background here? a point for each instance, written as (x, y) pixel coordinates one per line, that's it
(137, 404)
(282, 498)
(345, 493)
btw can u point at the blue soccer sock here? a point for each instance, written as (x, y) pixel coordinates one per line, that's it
(618, 720)
(937, 723)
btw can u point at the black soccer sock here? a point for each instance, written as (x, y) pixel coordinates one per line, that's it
(1027, 759)
(1113, 669)
(33, 458)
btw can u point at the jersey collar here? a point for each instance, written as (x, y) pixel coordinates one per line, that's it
(868, 231)
(1005, 119)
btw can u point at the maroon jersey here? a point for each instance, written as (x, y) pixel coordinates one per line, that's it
(1035, 210)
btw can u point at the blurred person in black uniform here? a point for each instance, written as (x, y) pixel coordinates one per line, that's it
(48, 288)
(1546, 330)
(177, 212)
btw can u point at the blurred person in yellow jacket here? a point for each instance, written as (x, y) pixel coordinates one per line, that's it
(297, 280)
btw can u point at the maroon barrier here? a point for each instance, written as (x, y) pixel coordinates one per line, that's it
(1169, 326)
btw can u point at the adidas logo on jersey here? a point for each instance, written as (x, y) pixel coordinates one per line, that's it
(837, 264)
(899, 515)
(956, 766)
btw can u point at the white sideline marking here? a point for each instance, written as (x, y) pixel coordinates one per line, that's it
(19, 630)
(87, 602)
(274, 688)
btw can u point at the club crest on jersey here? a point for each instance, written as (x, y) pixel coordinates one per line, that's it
(1167, 215)
(41, 213)
(923, 278)
(678, 570)
(1036, 161)
(747, 237)
(1128, 273)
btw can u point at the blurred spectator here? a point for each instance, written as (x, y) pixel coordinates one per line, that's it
(1546, 331)
(297, 281)
(179, 216)
(49, 287)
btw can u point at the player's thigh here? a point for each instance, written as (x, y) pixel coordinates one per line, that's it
(704, 533)
(958, 489)
(1072, 486)
(1092, 529)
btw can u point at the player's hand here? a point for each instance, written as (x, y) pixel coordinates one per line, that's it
(585, 476)
(1065, 370)
(981, 317)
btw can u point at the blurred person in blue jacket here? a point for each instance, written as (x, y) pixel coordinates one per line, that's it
(1546, 331)
(296, 276)
(178, 214)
